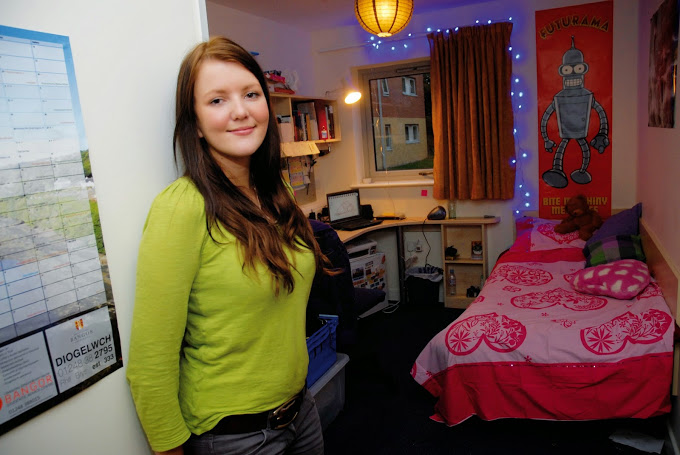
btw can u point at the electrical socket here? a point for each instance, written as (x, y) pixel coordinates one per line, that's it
(418, 248)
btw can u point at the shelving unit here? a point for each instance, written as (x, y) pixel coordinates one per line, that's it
(460, 233)
(308, 114)
(286, 105)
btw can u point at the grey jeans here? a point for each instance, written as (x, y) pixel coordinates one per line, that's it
(302, 437)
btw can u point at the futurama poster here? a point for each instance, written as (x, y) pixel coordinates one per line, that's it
(574, 89)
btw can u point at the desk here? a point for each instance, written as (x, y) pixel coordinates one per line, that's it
(458, 231)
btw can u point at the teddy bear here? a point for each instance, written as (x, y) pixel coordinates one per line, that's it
(580, 217)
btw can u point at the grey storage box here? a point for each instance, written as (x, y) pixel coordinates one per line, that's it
(329, 391)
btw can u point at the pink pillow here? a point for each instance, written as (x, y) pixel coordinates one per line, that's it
(622, 279)
(538, 234)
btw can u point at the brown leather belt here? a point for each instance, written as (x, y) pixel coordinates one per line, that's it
(275, 419)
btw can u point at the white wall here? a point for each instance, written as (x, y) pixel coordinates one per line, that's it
(126, 56)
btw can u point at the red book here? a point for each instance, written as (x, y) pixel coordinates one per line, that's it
(321, 119)
(331, 121)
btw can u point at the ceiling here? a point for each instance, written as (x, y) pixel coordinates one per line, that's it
(321, 14)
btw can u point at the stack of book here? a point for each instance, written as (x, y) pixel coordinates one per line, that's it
(313, 121)
(285, 128)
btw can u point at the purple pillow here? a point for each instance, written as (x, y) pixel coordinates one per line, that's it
(626, 222)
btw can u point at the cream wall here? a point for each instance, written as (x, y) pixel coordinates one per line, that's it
(658, 160)
(126, 56)
(347, 167)
(334, 52)
(658, 168)
(645, 161)
(280, 47)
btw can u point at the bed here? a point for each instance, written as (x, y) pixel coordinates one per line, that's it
(554, 334)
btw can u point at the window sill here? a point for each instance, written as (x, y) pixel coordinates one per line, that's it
(394, 184)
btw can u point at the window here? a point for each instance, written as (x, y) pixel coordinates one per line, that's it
(385, 87)
(388, 136)
(408, 86)
(411, 133)
(400, 123)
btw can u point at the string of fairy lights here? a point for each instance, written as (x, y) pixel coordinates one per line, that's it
(524, 190)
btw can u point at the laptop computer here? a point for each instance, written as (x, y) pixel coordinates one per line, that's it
(344, 211)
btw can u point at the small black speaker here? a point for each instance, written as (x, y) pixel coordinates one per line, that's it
(366, 211)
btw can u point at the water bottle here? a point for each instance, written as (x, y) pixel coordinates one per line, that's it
(451, 282)
(452, 209)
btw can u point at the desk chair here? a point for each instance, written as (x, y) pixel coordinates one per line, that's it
(336, 294)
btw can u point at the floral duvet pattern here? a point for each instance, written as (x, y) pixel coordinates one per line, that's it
(530, 346)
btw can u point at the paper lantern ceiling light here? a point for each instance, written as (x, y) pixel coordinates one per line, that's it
(383, 17)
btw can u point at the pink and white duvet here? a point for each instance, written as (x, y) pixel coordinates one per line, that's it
(530, 346)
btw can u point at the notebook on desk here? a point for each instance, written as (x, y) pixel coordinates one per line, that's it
(344, 211)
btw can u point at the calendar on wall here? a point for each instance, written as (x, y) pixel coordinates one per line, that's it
(58, 330)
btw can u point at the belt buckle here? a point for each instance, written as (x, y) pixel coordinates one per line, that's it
(280, 413)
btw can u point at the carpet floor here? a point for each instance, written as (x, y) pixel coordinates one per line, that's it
(387, 412)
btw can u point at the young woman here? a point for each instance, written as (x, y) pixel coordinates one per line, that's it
(218, 357)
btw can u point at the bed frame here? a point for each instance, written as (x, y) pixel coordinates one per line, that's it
(667, 276)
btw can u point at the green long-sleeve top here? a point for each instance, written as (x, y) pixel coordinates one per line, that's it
(208, 338)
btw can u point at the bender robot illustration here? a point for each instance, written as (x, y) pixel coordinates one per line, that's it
(572, 105)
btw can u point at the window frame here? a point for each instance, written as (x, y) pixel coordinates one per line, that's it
(382, 71)
(385, 87)
(408, 86)
(415, 130)
(388, 136)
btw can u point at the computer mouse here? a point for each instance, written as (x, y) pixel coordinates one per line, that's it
(437, 213)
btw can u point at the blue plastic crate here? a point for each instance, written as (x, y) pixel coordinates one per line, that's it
(321, 348)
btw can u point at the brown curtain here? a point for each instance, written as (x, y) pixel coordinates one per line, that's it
(472, 113)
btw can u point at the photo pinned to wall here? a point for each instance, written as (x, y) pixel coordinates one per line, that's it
(299, 172)
(663, 65)
(296, 171)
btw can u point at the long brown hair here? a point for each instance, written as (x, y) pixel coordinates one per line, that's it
(225, 204)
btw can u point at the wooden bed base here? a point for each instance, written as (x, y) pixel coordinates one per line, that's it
(668, 278)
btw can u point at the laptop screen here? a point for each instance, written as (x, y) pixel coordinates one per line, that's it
(343, 205)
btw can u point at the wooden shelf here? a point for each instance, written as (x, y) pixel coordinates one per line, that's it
(463, 261)
(457, 301)
(390, 184)
(469, 271)
(303, 128)
(457, 231)
(286, 105)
